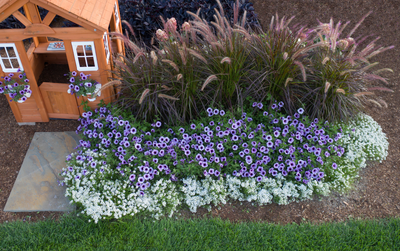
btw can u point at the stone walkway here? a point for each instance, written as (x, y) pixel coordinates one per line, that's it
(36, 187)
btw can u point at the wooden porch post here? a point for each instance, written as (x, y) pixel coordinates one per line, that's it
(32, 80)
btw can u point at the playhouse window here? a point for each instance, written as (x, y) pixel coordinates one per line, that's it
(116, 14)
(106, 47)
(10, 61)
(85, 56)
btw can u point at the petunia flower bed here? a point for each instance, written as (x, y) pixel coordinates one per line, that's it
(127, 167)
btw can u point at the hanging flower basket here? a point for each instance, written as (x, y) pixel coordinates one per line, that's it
(18, 89)
(26, 96)
(82, 85)
(97, 90)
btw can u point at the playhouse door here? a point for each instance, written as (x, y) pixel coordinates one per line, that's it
(59, 104)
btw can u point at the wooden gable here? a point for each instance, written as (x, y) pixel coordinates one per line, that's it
(94, 15)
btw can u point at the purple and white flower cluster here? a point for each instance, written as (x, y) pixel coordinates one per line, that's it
(81, 85)
(290, 146)
(124, 167)
(17, 88)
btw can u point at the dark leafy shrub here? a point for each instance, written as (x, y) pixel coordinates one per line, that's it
(144, 16)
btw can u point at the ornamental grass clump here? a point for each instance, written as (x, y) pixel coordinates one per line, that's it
(338, 84)
(143, 83)
(222, 64)
(278, 54)
(193, 68)
(163, 82)
(225, 49)
(180, 59)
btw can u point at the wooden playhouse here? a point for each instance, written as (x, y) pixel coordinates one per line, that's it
(86, 48)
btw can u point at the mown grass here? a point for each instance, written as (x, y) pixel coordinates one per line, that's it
(76, 233)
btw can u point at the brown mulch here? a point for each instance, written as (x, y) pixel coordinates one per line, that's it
(375, 195)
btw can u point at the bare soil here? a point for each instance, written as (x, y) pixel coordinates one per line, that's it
(375, 195)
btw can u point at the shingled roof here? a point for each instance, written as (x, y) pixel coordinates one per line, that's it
(96, 13)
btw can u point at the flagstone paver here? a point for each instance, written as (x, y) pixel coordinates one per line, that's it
(36, 187)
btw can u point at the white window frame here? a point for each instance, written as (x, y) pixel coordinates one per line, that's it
(84, 44)
(106, 46)
(116, 13)
(12, 69)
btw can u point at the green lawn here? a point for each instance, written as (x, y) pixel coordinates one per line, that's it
(73, 233)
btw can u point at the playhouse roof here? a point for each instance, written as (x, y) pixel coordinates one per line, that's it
(96, 12)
